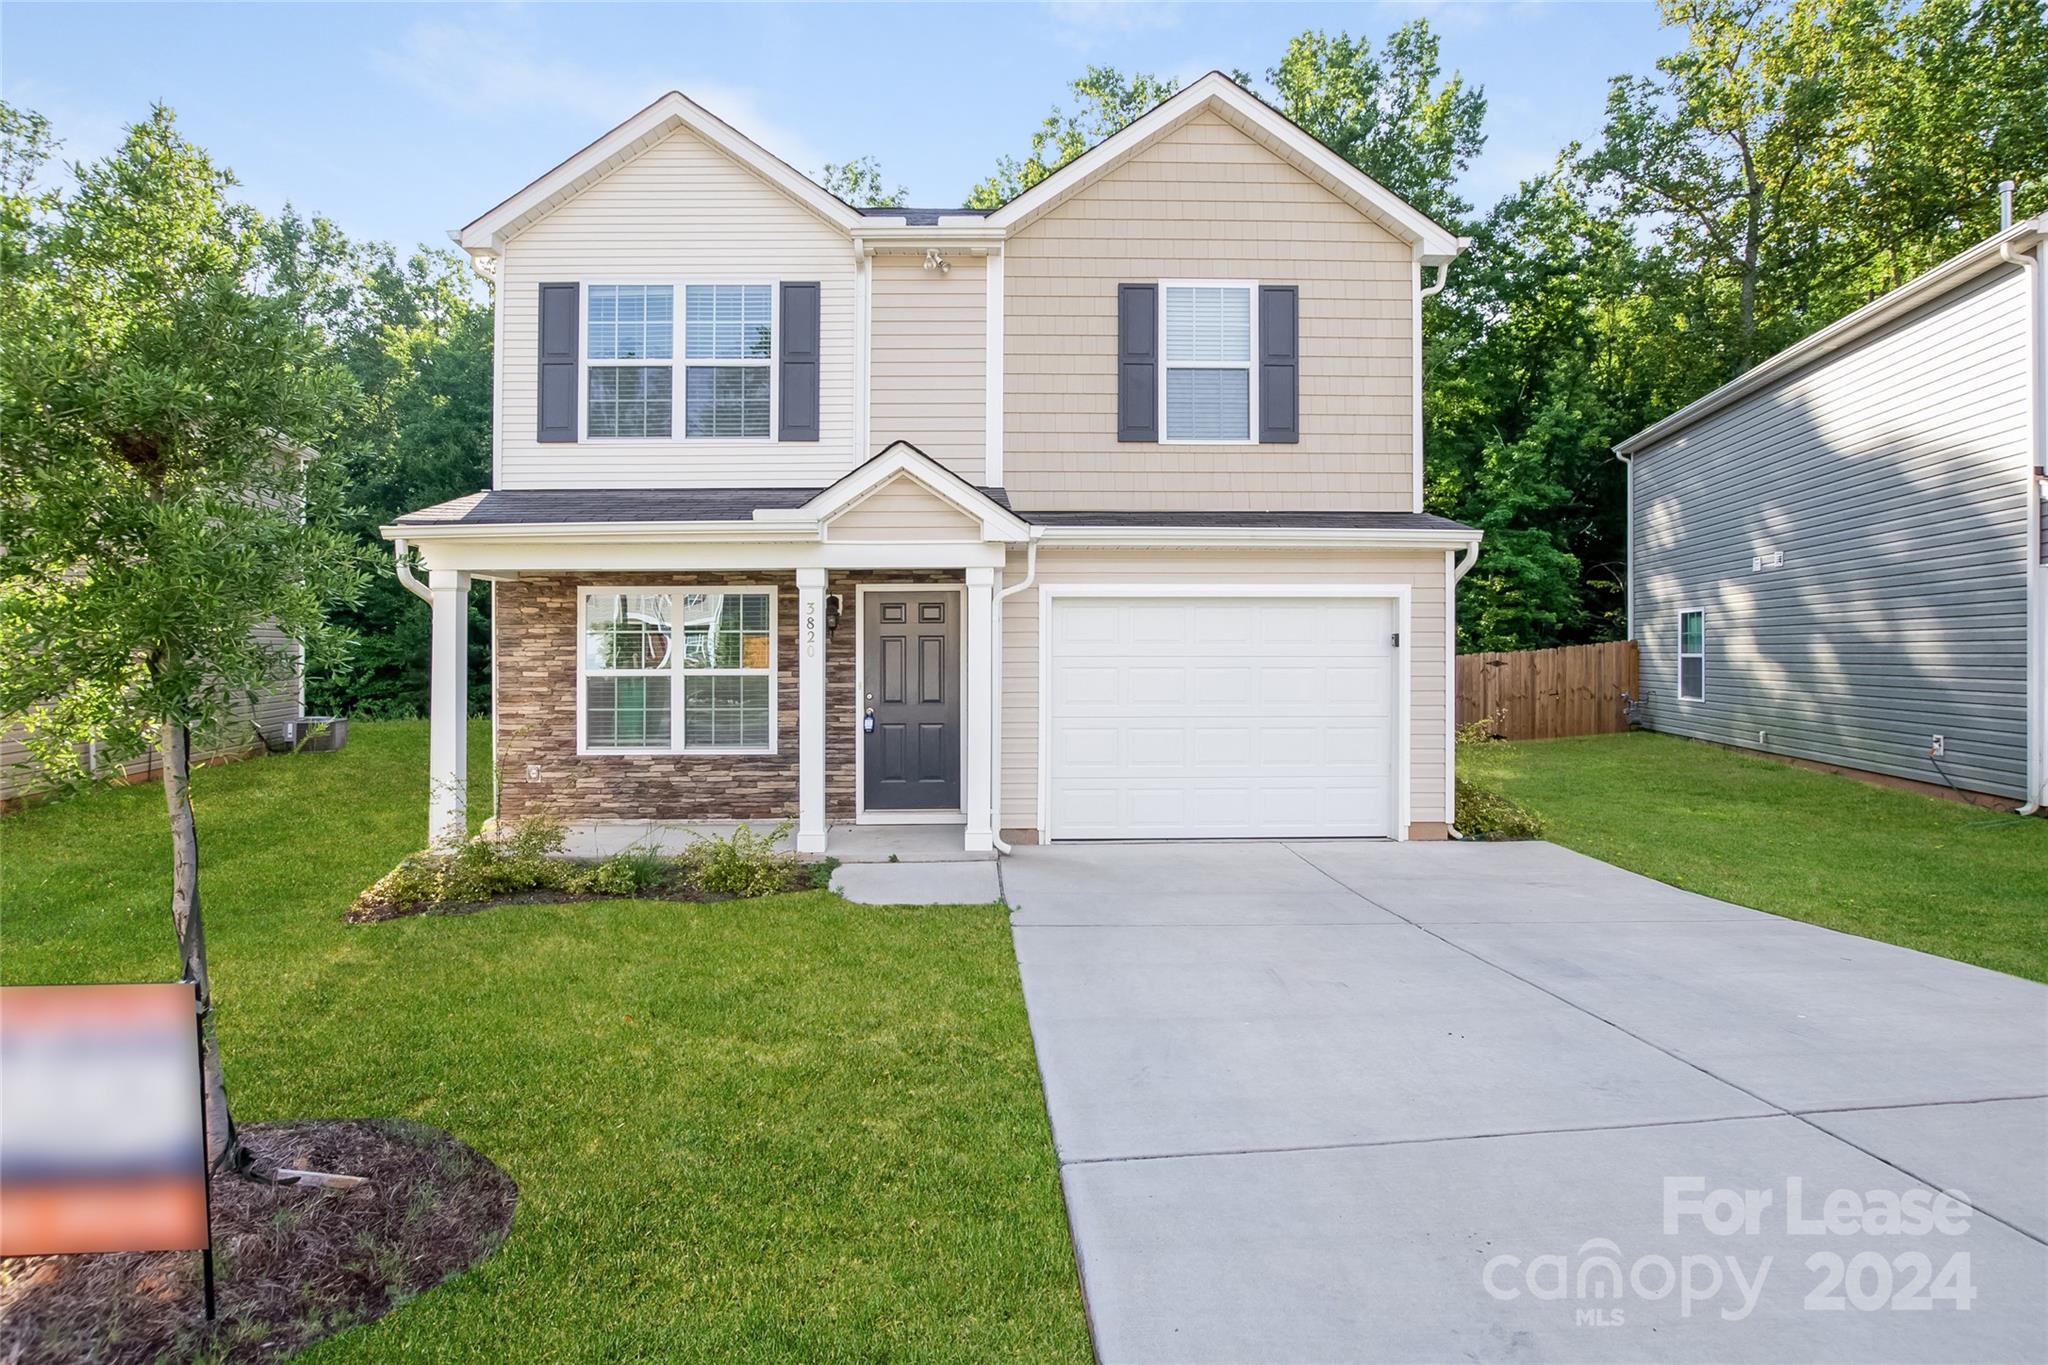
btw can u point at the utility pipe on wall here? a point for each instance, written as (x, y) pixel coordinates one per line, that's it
(2036, 484)
(995, 764)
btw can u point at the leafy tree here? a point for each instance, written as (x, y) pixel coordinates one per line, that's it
(860, 182)
(164, 492)
(417, 338)
(1108, 100)
(1392, 116)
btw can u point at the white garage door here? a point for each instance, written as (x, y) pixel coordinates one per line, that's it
(1225, 717)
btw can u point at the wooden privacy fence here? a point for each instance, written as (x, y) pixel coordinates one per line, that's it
(1549, 693)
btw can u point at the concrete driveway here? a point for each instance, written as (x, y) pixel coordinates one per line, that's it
(1431, 1102)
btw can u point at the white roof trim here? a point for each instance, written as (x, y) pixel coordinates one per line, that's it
(748, 532)
(1432, 240)
(486, 233)
(904, 460)
(1318, 537)
(1951, 273)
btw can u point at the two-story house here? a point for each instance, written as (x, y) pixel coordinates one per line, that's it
(1095, 516)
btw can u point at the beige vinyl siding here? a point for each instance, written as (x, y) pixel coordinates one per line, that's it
(1207, 202)
(267, 721)
(928, 369)
(902, 509)
(1423, 571)
(680, 212)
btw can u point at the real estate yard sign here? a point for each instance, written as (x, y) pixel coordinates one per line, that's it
(102, 1134)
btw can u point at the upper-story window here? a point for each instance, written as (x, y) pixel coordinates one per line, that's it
(1208, 361)
(729, 341)
(632, 360)
(728, 353)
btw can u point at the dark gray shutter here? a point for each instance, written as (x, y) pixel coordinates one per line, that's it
(559, 356)
(1137, 362)
(797, 419)
(1279, 364)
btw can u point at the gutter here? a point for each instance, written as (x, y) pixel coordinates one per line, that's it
(750, 532)
(1271, 537)
(2037, 491)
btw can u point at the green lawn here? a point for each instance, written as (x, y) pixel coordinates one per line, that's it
(1936, 875)
(785, 1129)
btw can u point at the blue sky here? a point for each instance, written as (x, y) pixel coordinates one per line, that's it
(402, 121)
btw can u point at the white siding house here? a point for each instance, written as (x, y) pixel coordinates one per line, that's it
(1838, 556)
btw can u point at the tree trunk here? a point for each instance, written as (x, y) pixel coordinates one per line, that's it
(224, 1151)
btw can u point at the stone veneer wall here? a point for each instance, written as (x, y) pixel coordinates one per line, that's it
(842, 706)
(536, 712)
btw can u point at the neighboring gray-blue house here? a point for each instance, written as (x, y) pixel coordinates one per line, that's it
(1839, 555)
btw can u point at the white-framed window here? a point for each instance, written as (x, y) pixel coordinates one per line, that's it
(1209, 332)
(676, 670)
(726, 388)
(1692, 656)
(729, 354)
(629, 360)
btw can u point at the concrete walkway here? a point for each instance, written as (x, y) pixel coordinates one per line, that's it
(1424, 1102)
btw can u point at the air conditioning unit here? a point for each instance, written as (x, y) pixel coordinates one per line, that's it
(319, 734)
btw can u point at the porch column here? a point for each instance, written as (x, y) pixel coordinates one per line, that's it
(981, 697)
(448, 704)
(810, 710)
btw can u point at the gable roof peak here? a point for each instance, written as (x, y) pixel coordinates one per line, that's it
(485, 234)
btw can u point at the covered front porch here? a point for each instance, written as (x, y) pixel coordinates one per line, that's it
(667, 663)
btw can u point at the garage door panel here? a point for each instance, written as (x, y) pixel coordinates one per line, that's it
(1146, 686)
(1221, 718)
(1154, 624)
(1225, 746)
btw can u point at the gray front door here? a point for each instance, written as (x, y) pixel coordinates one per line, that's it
(910, 701)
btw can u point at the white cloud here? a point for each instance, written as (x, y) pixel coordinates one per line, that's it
(492, 74)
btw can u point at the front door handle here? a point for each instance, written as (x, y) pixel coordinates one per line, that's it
(867, 722)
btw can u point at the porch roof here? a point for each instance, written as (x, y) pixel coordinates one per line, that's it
(589, 506)
(580, 506)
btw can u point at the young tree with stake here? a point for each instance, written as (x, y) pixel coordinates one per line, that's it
(163, 489)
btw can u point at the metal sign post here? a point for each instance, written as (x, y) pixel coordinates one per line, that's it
(205, 1142)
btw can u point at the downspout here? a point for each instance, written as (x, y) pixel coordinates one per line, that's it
(1464, 565)
(1628, 545)
(401, 551)
(995, 762)
(2037, 488)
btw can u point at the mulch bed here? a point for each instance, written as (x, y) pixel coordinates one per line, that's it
(292, 1264)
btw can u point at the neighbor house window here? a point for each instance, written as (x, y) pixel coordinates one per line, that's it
(729, 343)
(630, 384)
(1208, 361)
(1692, 655)
(679, 671)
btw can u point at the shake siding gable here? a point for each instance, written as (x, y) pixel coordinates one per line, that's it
(1207, 202)
(1890, 476)
(679, 212)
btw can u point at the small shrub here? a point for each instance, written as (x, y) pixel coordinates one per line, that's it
(747, 864)
(1487, 814)
(1481, 730)
(478, 870)
(629, 873)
